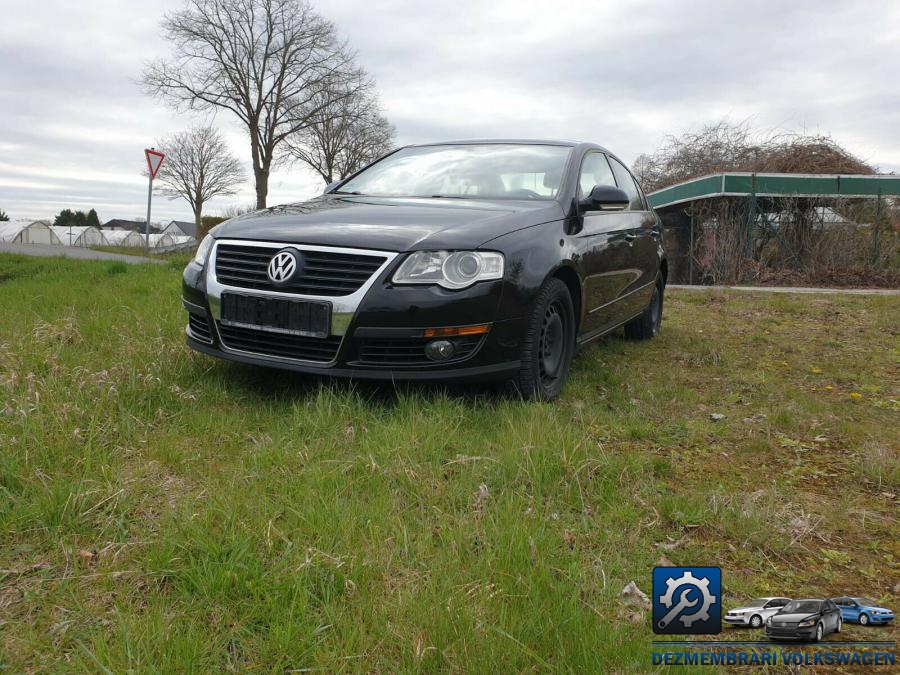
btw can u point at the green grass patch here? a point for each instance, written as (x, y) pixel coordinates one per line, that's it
(165, 511)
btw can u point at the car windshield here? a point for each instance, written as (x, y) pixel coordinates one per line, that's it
(489, 171)
(802, 607)
(865, 602)
(759, 602)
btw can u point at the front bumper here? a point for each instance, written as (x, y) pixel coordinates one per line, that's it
(738, 620)
(778, 633)
(880, 618)
(379, 335)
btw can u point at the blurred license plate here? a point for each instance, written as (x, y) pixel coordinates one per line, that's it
(277, 315)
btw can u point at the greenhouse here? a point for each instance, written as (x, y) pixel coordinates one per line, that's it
(37, 232)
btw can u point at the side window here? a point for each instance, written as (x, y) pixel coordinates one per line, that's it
(594, 171)
(626, 182)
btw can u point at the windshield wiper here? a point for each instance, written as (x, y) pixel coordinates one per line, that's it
(341, 192)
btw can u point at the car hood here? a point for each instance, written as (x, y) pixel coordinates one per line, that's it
(390, 224)
(790, 618)
(746, 609)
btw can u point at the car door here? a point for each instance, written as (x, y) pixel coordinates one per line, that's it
(852, 610)
(831, 616)
(605, 251)
(644, 236)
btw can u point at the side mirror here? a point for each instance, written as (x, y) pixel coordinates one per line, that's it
(331, 186)
(605, 198)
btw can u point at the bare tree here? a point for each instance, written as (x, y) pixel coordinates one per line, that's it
(724, 146)
(265, 61)
(348, 132)
(198, 167)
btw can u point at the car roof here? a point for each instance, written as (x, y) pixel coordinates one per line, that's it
(515, 141)
(809, 600)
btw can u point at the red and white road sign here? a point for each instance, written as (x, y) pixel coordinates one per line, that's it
(154, 161)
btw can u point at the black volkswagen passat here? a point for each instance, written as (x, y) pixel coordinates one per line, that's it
(810, 619)
(470, 260)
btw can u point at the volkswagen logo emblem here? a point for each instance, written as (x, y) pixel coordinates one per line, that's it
(783, 624)
(283, 266)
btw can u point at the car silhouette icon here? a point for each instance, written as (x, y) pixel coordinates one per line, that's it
(755, 613)
(863, 611)
(810, 619)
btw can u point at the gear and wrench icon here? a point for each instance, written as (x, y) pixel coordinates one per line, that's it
(701, 584)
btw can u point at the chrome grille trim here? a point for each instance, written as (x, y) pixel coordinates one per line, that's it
(343, 307)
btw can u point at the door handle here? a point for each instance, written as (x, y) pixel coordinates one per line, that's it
(654, 233)
(630, 237)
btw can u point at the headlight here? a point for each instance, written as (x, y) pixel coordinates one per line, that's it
(448, 269)
(203, 250)
(807, 623)
(769, 621)
(742, 613)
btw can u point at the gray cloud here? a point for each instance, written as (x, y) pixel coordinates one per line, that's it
(74, 123)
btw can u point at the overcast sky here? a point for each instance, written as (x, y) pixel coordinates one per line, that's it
(73, 122)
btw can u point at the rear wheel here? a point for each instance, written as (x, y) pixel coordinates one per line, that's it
(647, 325)
(548, 345)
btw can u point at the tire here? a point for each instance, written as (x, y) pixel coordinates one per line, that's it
(548, 346)
(840, 624)
(820, 633)
(648, 324)
(864, 619)
(755, 621)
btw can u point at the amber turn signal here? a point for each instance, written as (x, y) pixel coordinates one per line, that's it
(454, 331)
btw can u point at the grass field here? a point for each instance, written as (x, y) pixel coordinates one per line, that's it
(163, 511)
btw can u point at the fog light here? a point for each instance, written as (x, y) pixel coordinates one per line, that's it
(439, 350)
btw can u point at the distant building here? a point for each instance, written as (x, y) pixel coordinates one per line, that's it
(181, 228)
(133, 225)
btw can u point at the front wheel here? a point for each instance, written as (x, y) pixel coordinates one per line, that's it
(647, 325)
(840, 624)
(755, 621)
(820, 632)
(864, 619)
(548, 345)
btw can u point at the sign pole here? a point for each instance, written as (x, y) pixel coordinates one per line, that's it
(147, 224)
(154, 161)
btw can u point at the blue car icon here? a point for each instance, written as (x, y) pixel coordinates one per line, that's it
(863, 610)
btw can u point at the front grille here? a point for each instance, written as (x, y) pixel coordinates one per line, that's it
(411, 351)
(199, 327)
(321, 350)
(321, 272)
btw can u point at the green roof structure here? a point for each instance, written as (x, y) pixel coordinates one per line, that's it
(734, 184)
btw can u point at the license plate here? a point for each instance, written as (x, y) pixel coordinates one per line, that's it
(277, 315)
